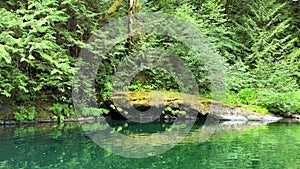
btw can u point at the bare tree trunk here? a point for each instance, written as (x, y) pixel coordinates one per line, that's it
(130, 24)
(130, 15)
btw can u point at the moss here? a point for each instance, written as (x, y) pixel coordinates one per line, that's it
(167, 98)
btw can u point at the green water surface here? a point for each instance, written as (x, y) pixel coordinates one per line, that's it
(273, 146)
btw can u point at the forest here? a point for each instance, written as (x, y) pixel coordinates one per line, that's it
(40, 41)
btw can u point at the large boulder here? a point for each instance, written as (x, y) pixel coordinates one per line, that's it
(193, 105)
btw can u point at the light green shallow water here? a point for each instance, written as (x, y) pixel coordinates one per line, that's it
(273, 146)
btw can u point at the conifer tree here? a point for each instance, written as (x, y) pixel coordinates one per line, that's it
(270, 50)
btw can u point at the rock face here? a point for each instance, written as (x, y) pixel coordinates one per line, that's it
(194, 106)
(5, 107)
(224, 112)
(289, 115)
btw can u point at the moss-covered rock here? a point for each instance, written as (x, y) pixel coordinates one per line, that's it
(190, 103)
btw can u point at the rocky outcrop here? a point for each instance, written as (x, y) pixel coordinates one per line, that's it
(225, 112)
(194, 106)
(289, 115)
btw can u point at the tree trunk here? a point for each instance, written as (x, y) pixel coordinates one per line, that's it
(130, 15)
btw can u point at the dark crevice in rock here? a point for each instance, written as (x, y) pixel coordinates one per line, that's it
(141, 107)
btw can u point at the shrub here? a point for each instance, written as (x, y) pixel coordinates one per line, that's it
(25, 113)
(90, 111)
(61, 111)
(277, 101)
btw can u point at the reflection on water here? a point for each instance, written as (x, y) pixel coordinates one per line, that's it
(246, 145)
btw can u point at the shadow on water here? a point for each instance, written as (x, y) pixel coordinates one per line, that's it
(233, 145)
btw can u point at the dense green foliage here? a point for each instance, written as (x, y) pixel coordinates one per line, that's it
(257, 39)
(61, 111)
(25, 113)
(268, 62)
(39, 43)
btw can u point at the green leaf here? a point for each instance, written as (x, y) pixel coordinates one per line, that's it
(4, 54)
(54, 71)
(119, 128)
(30, 57)
(6, 93)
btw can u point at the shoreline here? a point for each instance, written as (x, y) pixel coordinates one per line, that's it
(92, 119)
(193, 106)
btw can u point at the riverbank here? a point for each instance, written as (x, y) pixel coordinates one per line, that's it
(165, 106)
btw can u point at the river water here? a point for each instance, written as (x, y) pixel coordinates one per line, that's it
(232, 146)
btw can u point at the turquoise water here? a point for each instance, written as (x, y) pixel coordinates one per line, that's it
(273, 146)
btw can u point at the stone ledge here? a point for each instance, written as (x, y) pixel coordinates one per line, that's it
(192, 104)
